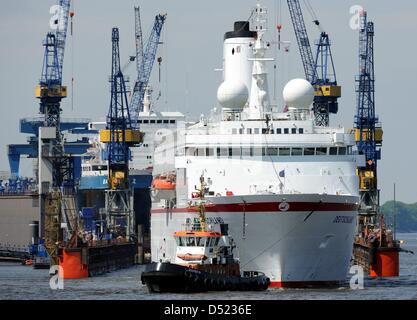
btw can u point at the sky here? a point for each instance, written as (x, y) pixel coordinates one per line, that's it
(192, 50)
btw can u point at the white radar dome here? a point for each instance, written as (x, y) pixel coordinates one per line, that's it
(298, 93)
(232, 94)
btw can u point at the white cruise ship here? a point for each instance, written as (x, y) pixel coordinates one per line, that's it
(287, 189)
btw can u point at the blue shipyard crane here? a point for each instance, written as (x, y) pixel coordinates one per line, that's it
(368, 131)
(55, 167)
(375, 240)
(119, 136)
(144, 60)
(50, 90)
(319, 70)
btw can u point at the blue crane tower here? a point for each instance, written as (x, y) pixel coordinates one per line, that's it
(319, 70)
(119, 136)
(144, 60)
(376, 248)
(54, 167)
(50, 92)
(368, 131)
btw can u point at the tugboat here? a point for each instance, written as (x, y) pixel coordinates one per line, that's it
(204, 261)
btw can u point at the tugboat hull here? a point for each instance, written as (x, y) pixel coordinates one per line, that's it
(168, 277)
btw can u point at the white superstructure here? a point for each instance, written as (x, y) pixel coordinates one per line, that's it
(154, 124)
(287, 189)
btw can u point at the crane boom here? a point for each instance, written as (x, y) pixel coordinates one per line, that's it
(138, 40)
(61, 32)
(146, 66)
(302, 40)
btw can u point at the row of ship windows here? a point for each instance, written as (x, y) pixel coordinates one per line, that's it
(197, 241)
(157, 121)
(267, 151)
(268, 131)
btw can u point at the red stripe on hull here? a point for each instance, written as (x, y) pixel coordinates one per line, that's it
(267, 207)
(304, 284)
(174, 210)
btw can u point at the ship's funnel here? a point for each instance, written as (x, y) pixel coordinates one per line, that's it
(233, 93)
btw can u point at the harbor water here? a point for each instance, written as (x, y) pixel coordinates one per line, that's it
(19, 282)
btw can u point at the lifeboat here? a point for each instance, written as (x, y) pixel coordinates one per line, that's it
(164, 182)
(191, 257)
(164, 186)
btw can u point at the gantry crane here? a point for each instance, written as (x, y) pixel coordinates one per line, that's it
(119, 136)
(319, 71)
(144, 60)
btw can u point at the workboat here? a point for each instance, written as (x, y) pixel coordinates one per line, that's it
(204, 261)
(286, 186)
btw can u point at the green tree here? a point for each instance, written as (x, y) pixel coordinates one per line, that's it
(406, 215)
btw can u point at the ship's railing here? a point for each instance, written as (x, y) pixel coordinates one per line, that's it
(104, 242)
(195, 226)
(63, 120)
(13, 248)
(23, 193)
(14, 252)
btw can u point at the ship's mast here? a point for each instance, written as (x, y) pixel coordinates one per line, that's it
(259, 104)
(202, 214)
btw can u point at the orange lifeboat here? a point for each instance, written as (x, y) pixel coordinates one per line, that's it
(192, 257)
(164, 182)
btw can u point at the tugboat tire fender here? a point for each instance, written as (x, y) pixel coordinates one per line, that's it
(206, 281)
(264, 284)
(188, 274)
(224, 283)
